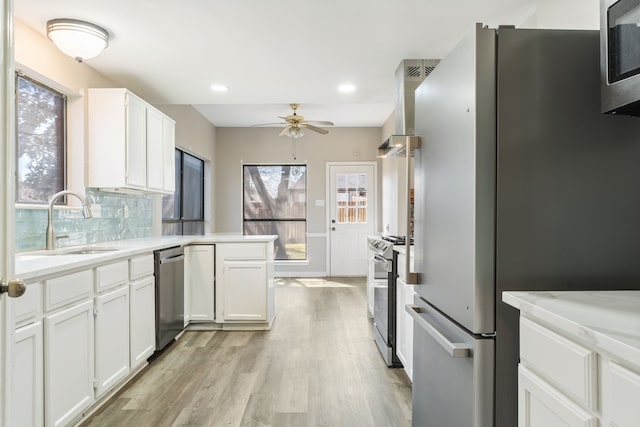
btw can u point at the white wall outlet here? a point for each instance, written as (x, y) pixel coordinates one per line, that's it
(319, 202)
(125, 211)
(96, 210)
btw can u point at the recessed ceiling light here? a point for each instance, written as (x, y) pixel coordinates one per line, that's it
(219, 88)
(346, 88)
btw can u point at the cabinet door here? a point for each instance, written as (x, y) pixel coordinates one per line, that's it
(245, 290)
(541, 405)
(620, 395)
(155, 150)
(169, 148)
(200, 269)
(28, 398)
(401, 323)
(112, 338)
(69, 358)
(136, 142)
(142, 321)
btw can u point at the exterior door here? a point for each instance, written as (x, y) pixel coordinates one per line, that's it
(6, 202)
(351, 216)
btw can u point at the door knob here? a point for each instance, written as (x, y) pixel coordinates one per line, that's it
(15, 288)
(333, 221)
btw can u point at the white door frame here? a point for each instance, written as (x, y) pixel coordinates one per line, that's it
(7, 245)
(328, 203)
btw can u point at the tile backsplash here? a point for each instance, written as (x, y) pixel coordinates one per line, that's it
(122, 216)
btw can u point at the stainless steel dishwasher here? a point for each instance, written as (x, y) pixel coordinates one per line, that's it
(169, 271)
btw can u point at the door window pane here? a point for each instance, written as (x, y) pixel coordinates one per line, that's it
(40, 136)
(275, 202)
(351, 198)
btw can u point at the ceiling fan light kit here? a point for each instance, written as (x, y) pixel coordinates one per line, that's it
(296, 124)
(78, 39)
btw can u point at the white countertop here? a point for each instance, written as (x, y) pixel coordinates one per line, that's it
(607, 320)
(41, 264)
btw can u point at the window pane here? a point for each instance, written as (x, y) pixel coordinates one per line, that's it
(275, 195)
(193, 182)
(193, 227)
(275, 192)
(40, 134)
(291, 243)
(171, 228)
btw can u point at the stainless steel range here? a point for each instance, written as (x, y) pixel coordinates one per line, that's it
(384, 294)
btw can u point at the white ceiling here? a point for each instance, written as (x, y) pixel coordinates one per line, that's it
(272, 53)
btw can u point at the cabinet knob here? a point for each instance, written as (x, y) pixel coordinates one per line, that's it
(15, 288)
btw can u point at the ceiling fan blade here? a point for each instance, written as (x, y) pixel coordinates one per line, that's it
(315, 129)
(320, 122)
(270, 124)
(284, 132)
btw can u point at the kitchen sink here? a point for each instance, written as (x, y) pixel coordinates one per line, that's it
(89, 251)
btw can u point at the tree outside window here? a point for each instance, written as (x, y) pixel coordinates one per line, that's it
(275, 203)
(40, 141)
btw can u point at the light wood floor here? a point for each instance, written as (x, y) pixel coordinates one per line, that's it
(318, 366)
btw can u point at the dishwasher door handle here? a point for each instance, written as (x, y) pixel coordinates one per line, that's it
(171, 259)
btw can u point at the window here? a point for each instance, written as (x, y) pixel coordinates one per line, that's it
(183, 211)
(351, 198)
(275, 202)
(40, 141)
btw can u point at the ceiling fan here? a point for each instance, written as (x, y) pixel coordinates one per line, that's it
(296, 124)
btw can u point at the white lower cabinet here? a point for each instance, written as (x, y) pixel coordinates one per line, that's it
(244, 283)
(404, 327)
(541, 405)
(142, 325)
(69, 362)
(28, 408)
(111, 338)
(200, 276)
(566, 380)
(245, 293)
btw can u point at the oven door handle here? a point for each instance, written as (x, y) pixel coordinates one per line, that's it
(453, 348)
(380, 259)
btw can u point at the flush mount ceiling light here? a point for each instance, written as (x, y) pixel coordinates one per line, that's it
(78, 39)
(346, 88)
(219, 88)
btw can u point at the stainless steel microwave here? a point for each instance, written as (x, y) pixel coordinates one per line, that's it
(620, 56)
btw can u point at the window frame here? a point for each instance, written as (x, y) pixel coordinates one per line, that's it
(306, 208)
(64, 163)
(180, 181)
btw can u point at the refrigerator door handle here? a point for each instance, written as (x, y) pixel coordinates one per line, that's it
(454, 349)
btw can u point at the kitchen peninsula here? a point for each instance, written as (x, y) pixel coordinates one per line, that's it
(86, 324)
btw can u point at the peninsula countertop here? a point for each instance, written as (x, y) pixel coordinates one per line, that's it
(41, 264)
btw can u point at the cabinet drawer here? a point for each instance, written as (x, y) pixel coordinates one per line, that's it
(568, 366)
(112, 275)
(620, 395)
(27, 308)
(64, 290)
(140, 267)
(241, 251)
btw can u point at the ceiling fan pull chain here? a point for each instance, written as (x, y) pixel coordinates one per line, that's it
(293, 148)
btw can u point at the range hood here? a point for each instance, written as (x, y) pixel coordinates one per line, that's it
(409, 74)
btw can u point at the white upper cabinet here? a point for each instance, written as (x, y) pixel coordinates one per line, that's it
(155, 150)
(169, 157)
(128, 143)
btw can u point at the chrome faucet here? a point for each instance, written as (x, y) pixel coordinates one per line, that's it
(50, 234)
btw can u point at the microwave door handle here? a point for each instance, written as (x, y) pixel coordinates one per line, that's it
(454, 349)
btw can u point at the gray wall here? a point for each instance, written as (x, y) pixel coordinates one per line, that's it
(237, 146)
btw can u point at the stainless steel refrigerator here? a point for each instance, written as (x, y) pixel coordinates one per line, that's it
(521, 184)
